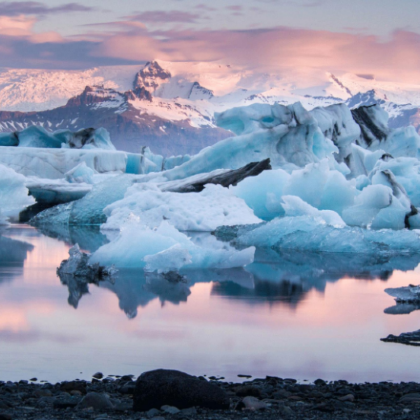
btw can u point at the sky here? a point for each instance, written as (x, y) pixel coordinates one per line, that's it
(380, 37)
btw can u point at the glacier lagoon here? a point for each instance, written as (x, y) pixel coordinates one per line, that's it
(267, 253)
(306, 316)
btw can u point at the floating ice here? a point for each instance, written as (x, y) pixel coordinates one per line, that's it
(205, 211)
(39, 137)
(405, 294)
(315, 184)
(13, 194)
(80, 173)
(308, 233)
(165, 249)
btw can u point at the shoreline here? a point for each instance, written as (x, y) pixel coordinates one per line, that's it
(260, 398)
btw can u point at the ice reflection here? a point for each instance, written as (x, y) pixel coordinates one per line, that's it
(13, 254)
(274, 278)
(258, 319)
(89, 238)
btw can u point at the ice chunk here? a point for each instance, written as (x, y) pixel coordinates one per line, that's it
(367, 204)
(39, 137)
(80, 173)
(78, 266)
(172, 259)
(36, 136)
(263, 193)
(166, 248)
(294, 206)
(373, 122)
(55, 163)
(315, 184)
(337, 124)
(405, 294)
(204, 211)
(402, 142)
(9, 139)
(306, 233)
(56, 191)
(89, 209)
(13, 194)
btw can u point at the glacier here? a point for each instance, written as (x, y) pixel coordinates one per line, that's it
(38, 137)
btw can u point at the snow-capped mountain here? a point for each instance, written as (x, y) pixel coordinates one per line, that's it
(170, 106)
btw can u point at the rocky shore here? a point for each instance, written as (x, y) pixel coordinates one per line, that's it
(172, 395)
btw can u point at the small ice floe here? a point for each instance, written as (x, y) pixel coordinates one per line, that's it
(76, 273)
(410, 339)
(78, 266)
(405, 294)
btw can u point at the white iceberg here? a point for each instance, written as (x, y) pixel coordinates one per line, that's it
(204, 211)
(13, 194)
(165, 248)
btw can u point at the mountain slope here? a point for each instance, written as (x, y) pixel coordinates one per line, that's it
(171, 106)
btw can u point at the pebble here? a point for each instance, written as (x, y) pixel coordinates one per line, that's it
(278, 399)
(170, 410)
(152, 413)
(253, 404)
(96, 401)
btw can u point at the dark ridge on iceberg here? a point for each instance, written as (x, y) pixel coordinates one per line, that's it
(228, 178)
(370, 127)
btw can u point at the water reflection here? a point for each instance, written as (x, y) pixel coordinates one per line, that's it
(13, 254)
(257, 319)
(89, 238)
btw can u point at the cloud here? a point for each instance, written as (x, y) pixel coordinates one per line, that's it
(282, 50)
(287, 52)
(235, 8)
(37, 8)
(158, 16)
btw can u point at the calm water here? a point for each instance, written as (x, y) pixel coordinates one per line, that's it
(301, 316)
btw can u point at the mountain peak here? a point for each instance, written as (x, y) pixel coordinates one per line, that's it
(151, 76)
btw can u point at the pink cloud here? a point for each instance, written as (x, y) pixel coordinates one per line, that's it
(306, 54)
(282, 50)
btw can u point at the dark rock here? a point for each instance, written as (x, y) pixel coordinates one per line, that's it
(226, 179)
(73, 385)
(248, 391)
(64, 403)
(170, 387)
(152, 413)
(98, 375)
(96, 401)
(170, 410)
(5, 416)
(410, 398)
(192, 411)
(319, 382)
(128, 388)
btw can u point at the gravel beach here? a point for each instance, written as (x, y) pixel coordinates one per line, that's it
(118, 397)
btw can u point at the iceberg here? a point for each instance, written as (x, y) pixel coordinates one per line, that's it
(408, 294)
(409, 339)
(39, 137)
(165, 248)
(203, 211)
(317, 234)
(13, 194)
